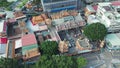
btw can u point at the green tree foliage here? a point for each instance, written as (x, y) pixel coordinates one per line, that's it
(81, 62)
(60, 62)
(13, 63)
(95, 31)
(8, 63)
(49, 48)
(4, 3)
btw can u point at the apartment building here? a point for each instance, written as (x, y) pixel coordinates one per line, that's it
(108, 16)
(58, 5)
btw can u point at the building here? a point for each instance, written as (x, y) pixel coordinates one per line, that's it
(16, 29)
(97, 1)
(2, 15)
(37, 19)
(113, 41)
(92, 19)
(63, 46)
(89, 10)
(58, 5)
(108, 17)
(18, 15)
(68, 22)
(83, 46)
(9, 14)
(2, 28)
(3, 45)
(27, 47)
(116, 6)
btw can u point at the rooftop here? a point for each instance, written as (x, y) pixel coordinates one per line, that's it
(64, 14)
(2, 49)
(3, 40)
(116, 3)
(28, 39)
(92, 19)
(114, 39)
(84, 43)
(2, 26)
(107, 8)
(9, 14)
(95, 7)
(39, 19)
(90, 8)
(18, 43)
(104, 4)
(18, 14)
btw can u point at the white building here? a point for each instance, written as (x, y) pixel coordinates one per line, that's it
(58, 5)
(116, 5)
(108, 17)
(92, 19)
(9, 14)
(113, 41)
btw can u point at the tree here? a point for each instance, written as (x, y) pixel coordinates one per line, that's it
(95, 31)
(45, 62)
(81, 62)
(49, 48)
(8, 63)
(64, 61)
(56, 61)
(13, 63)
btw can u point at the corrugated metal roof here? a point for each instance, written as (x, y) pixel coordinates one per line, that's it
(58, 21)
(26, 48)
(3, 40)
(28, 39)
(2, 48)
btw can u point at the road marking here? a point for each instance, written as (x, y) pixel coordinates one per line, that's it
(97, 58)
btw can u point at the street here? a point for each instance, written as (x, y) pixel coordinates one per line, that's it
(103, 59)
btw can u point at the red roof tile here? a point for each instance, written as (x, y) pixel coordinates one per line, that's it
(116, 3)
(3, 40)
(28, 39)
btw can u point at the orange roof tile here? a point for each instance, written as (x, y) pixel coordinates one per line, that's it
(18, 14)
(37, 19)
